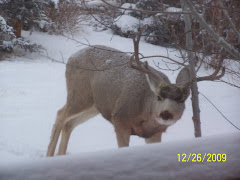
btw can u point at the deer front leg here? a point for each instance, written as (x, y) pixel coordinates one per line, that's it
(155, 138)
(123, 135)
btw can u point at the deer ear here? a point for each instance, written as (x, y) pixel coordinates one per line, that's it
(183, 76)
(183, 79)
(153, 84)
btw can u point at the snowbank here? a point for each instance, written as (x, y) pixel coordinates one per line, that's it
(128, 23)
(155, 161)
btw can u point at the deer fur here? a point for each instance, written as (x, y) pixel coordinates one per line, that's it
(100, 80)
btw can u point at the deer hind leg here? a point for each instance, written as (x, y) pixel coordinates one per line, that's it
(155, 138)
(56, 130)
(71, 123)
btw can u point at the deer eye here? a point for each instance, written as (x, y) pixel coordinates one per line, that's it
(163, 95)
(180, 100)
(159, 98)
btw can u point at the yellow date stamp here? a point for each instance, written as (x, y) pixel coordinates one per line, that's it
(206, 157)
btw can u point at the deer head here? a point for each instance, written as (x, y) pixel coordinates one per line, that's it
(170, 97)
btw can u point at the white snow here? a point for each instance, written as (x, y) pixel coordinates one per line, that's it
(109, 61)
(174, 9)
(2, 21)
(92, 4)
(98, 4)
(148, 20)
(128, 6)
(55, 1)
(4, 27)
(155, 161)
(32, 89)
(128, 23)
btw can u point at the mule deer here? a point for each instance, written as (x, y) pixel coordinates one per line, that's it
(99, 80)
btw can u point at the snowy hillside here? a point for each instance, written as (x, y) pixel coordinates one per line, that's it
(156, 161)
(32, 89)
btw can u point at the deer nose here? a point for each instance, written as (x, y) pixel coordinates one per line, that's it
(166, 115)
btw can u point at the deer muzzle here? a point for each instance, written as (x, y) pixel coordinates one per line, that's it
(166, 115)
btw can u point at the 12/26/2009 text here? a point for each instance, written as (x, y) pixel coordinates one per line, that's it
(206, 157)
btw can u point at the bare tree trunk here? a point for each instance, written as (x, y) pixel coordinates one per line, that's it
(194, 87)
(18, 28)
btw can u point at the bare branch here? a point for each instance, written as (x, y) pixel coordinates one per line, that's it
(214, 76)
(229, 19)
(228, 47)
(234, 85)
(142, 67)
(182, 64)
(62, 57)
(158, 66)
(82, 68)
(219, 111)
(218, 7)
(89, 45)
(200, 64)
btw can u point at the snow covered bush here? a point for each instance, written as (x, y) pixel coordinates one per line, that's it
(168, 29)
(102, 16)
(9, 41)
(5, 34)
(160, 26)
(126, 25)
(24, 14)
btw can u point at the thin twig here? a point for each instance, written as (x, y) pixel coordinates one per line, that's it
(165, 57)
(78, 67)
(219, 111)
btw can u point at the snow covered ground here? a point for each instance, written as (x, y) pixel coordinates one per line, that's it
(155, 161)
(32, 89)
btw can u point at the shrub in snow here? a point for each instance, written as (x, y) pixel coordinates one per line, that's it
(163, 29)
(6, 34)
(135, 14)
(24, 14)
(103, 16)
(64, 17)
(160, 26)
(126, 25)
(150, 5)
(8, 40)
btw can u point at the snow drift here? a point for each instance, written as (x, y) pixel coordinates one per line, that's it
(155, 161)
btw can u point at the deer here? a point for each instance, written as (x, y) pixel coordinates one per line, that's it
(136, 102)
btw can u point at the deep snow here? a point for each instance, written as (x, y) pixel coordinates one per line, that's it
(32, 89)
(155, 161)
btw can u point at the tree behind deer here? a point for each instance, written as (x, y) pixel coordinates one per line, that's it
(99, 80)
